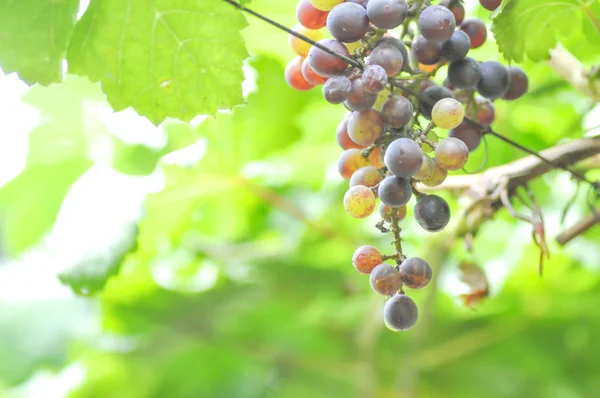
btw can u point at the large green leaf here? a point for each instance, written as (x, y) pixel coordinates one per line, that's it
(35, 35)
(533, 27)
(164, 58)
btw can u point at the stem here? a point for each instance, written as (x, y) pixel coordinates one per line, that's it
(397, 239)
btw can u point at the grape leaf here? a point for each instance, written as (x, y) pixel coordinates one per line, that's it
(164, 58)
(532, 28)
(35, 35)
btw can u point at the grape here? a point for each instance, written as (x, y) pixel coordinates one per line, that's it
(358, 99)
(365, 258)
(432, 213)
(403, 157)
(437, 176)
(465, 73)
(394, 191)
(447, 113)
(385, 279)
(426, 52)
(325, 5)
(486, 112)
(397, 111)
(374, 79)
(495, 80)
(326, 64)
(375, 159)
(309, 16)
(350, 161)
(415, 273)
(400, 312)
(392, 41)
(426, 169)
(456, 47)
(475, 29)
(310, 75)
(436, 23)
(365, 127)
(348, 22)
(385, 212)
(519, 83)
(388, 57)
(299, 46)
(337, 89)
(293, 75)
(435, 93)
(490, 4)
(458, 10)
(363, 3)
(359, 201)
(368, 176)
(387, 14)
(451, 153)
(467, 133)
(343, 139)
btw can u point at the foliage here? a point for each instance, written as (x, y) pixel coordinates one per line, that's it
(218, 251)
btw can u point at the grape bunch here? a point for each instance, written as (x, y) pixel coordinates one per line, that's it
(390, 138)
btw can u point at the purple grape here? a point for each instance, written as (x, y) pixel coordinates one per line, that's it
(519, 83)
(387, 14)
(394, 191)
(456, 47)
(426, 52)
(397, 111)
(495, 80)
(437, 23)
(464, 73)
(374, 79)
(336, 89)
(403, 157)
(348, 22)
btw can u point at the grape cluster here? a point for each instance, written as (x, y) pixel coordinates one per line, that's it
(389, 138)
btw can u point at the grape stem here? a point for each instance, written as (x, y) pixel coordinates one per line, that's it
(397, 239)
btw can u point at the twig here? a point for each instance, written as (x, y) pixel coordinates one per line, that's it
(579, 228)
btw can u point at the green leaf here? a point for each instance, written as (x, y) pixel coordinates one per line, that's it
(35, 35)
(532, 28)
(164, 58)
(89, 275)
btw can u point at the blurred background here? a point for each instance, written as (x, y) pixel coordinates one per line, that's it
(213, 259)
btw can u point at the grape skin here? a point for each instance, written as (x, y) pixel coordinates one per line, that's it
(476, 30)
(456, 47)
(309, 16)
(326, 64)
(365, 258)
(458, 10)
(374, 79)
(436, 23)
(438, 175)
(495, 80)
(299, 46)
(350, 161)
(387, 14)
(403, 157)
(388, 57)
(392, 41)
(368, 176)
(491, 5)
(415, 272)
(464, 73)
(348, 22)
(432, 213)
(519, 83)
(467, 133)
(365, 127)
(385, 212)
(337, 89)
(451, 153)
(342, 137)
(400, 313)
(435, 93)
(426, 52)
(310, 75)
(358, 99)
(394, 191)
(293, 75)
(375, 159)
(385, 279)
(397, 111)
(447, 113)
(359, 201)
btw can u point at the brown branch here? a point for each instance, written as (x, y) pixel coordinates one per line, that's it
(573, 71)
(579, 228)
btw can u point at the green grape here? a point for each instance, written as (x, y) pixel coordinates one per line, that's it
(426, 169)
(451, 153)
(385, 279)
(437, 176)
(365, 258)
(359, 201)
(447, 113)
